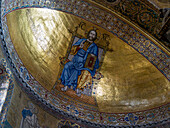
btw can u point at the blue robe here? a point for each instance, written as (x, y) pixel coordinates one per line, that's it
(72, 69)
(26, 112)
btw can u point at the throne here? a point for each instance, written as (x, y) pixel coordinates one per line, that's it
(85, 80)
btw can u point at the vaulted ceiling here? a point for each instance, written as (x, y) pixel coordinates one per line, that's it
(132, 80)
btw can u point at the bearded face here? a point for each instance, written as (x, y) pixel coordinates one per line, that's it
(92, 35)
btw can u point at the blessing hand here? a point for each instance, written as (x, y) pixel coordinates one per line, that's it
(92, 55)
(81, 45)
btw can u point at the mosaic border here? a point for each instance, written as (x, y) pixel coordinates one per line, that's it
(102, 18)
(90, 117)
(9, 89)
(140, 7)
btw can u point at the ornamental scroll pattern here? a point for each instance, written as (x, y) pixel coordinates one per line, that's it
(140, 12)
(111, 23)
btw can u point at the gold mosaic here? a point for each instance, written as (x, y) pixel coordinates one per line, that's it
(42, 37)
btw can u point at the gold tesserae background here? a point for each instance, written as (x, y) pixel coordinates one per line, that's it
(130, 83)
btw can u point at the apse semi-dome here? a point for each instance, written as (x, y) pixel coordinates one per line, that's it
(86, 62)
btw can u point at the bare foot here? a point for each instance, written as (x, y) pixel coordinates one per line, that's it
(64, 88)
(78, 92)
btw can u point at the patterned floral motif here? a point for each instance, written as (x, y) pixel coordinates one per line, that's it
(141, 12)
(131, 119)
(67, 124)
(72, 110)
(111, 119)
(24, 73)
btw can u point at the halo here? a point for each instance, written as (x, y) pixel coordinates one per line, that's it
(95, 29)
(30, 105)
